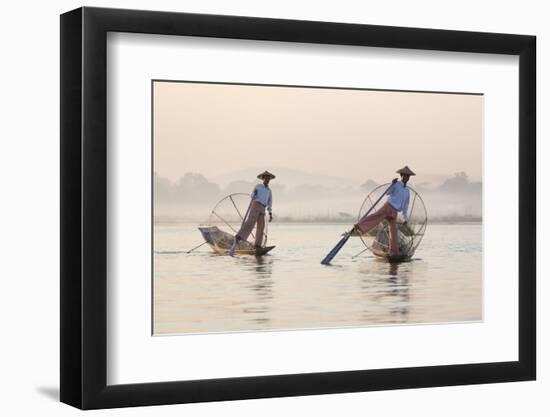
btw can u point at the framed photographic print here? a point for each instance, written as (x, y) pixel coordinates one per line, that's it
(256, 208)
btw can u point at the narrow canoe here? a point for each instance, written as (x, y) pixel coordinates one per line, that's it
(389, 258)
(254, 251)
(221, 242)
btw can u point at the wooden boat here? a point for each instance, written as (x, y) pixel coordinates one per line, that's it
(225, 219)
(390, 258)
(221, 242)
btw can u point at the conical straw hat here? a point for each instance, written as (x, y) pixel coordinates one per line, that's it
(405, 171)
(266, 174)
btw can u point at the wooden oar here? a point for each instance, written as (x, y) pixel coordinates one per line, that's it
(235, 243)
(342, 242)
(357, 254)
(196, 247)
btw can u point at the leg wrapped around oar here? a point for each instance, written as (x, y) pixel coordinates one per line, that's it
(256, 215)
(386, 212)
(342, 242)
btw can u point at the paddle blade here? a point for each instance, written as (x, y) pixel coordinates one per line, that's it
(335, 249)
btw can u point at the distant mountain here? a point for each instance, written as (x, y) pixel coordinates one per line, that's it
(460, 183)
(289, 177)
(369, 185)
(302, 195)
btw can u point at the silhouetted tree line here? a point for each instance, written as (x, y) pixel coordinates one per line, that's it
(195, 188)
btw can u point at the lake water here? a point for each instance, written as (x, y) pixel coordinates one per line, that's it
(289, 288)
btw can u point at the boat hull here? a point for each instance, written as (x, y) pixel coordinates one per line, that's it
(221, 242)
(390, 258)
(243, 252)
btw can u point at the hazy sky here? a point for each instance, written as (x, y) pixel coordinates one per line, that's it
(215, 129)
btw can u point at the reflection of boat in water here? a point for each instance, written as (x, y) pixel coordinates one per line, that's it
(224, 222)
(221, 241)
(409, 235)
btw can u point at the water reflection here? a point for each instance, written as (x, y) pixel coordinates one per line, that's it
(385, 291)
(394, 267)
(261, 286)
(203, 292)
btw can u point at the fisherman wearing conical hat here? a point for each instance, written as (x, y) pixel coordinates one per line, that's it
(397, 201)
(261, 200)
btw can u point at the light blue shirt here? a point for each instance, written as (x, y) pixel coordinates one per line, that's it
(262, 195)
(399, 198)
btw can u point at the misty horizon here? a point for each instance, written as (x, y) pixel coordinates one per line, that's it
(327, 147)
(193, 195)
(250, 173)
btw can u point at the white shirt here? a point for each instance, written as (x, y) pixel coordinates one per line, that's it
(262, 195)
(399, 198)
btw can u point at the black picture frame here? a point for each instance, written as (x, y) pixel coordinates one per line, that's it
(84, 207)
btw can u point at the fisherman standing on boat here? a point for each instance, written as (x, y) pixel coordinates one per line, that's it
(261, 200)
(398, 201)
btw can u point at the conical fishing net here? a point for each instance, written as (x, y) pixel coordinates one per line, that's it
(409, 235)
(226, 219)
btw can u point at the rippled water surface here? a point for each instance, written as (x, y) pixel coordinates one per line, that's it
(289, 288)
